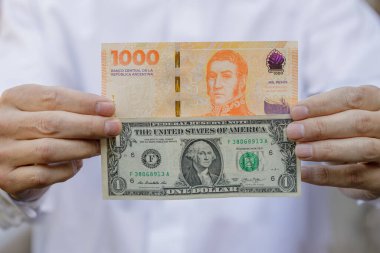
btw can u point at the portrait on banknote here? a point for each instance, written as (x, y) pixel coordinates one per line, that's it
(201, 163)
(226, 78)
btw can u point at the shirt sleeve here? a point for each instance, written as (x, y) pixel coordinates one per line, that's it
(21, 49)
(375, 203)
(13, 213)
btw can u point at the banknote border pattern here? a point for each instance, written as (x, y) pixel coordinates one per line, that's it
(114, 155)
(277, 130)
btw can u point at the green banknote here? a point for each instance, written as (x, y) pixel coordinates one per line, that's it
(179, 158)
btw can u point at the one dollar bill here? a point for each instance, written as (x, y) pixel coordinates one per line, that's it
(179, 158)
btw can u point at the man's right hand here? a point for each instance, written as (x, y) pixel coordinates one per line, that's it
(45, 132)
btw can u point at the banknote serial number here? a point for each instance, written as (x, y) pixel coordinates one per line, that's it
(149, 174)
(248, 141)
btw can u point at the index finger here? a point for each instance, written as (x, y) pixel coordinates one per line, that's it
(365, 97)
(32, 97)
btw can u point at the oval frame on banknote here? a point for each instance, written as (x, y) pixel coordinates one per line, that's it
(218, 153)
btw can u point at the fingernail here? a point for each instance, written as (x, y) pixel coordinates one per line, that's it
(304, 151)
(299, 112)
(295, 131)
(105, 108)
(112, 127)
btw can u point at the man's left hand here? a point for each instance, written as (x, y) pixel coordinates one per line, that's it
(342, 129)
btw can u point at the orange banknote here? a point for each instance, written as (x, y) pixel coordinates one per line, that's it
(200, 79)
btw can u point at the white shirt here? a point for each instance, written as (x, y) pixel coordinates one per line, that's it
(58, 42)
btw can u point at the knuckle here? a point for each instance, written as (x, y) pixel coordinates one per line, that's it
(40, 179)
(93, 126)
(355, 178)
(355, 96)
(8, 95)
(320, 129)
(6, 154)
(5, 182)
(48, 125)
(363, 124)
(9, 183)
(370, 88)
(3, 155)
(44, 150)
(49, 98)
(5, 126)
(371, 150)
(325, 151)
(322, 176)
(11, 124)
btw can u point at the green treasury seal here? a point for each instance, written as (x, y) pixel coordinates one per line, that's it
(249, 162)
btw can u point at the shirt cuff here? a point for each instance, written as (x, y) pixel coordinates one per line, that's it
(374, 203)
(13, 213)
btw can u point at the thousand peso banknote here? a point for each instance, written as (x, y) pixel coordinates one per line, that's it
(181, 103)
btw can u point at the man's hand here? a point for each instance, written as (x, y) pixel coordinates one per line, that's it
(342, 129)
(45, 132)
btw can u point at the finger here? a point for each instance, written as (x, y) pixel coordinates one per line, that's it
(48, 150)
(364, 97)
(38, 176)
(32, 97)
(358, 176)
(30, 194)
(353, 150)
(65, 125)
(347, 124)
